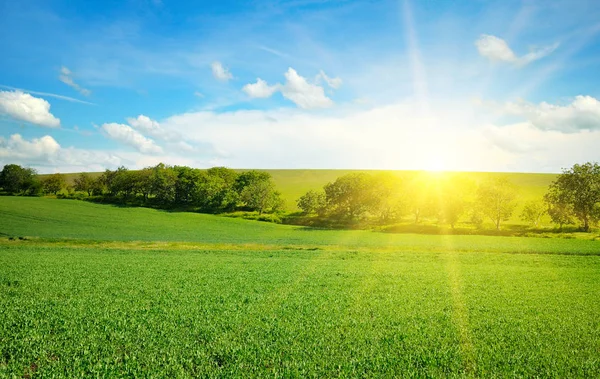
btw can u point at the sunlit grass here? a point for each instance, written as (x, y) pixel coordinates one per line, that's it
(93, 290)
(68, 311)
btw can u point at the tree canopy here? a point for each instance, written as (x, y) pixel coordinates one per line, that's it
(575, 194)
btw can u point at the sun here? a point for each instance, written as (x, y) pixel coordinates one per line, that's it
(436, 163)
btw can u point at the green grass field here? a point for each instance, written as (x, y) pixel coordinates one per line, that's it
(102, 291)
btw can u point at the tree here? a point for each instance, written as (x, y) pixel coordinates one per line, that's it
(350, 196)
(186, 186)
(143, 182)
(420, 191)
(108, 180)
(164, 179)
(455, 195)
(217, 189)
(388, 197)
(312, 202)
(54, 183)
(532, 212)
(257, 191)
(125, 181)
(17, 179)
(496, 200)
(85, 183)
(560, 213)
(576, 194)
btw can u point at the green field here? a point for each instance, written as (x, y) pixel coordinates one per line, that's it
(102, 291)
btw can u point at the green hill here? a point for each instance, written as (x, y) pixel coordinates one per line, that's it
(71, 219)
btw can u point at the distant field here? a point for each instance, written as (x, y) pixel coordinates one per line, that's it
(294, 183)
(98, 290)
(59, 219)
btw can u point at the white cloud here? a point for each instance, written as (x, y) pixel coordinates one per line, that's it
(302, 93)
(396, 136)
(260, 89)
(385, 137)
(144, 124)
(129, 136)
(152, 128)
(535, 150)
(66, 76)
(496, 49)
(334, 83)
(220, 72)
(46, 155)
(19, 148)
(297, 89)
(23, 106)
(583, 113)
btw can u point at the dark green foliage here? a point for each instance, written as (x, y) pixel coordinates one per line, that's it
(257, 192)
(187, 185)
(350, 196)
(85, 183)
(53, 183)
(164, 180)
(217, 190)
(143, 182)
(15, 179)
(576, 194)
(312, 202)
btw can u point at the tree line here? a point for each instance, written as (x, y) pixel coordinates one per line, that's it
(215, 190)
(385, 198)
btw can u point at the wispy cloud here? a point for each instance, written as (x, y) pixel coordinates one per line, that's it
(334, 83)
(66, 76)
(220, 72)
(48, 94)
(497, 50)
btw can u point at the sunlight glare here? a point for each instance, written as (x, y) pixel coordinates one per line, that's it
(435, 163)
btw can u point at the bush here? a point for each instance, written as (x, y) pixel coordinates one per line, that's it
(255, 216)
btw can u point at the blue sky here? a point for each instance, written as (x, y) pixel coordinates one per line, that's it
(475, 85)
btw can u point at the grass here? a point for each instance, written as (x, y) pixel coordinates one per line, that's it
(82, 312)
(95, 290)
(60, 219)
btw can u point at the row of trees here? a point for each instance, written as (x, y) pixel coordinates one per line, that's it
(15, 179)
(574, 197)
(387, 198)
(217, 189)
(214, 190)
